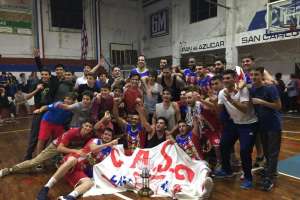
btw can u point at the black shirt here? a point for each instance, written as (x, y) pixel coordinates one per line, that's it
(85, 87)
(154, 141)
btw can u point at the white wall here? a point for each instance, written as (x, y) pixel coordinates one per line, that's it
(212, 27)
(16, 45)
(57, 44)
(162, 45)
(180, 28)
(275, 56)
(66, 45)
(246, 10)
(120, 23)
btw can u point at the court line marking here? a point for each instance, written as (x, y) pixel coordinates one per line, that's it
(15, 131)
(295, 177)
(122, 196)
(293, 117)
(8, 118)
(297, 132)
(291, 138)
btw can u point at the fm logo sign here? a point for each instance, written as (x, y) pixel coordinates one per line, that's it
(160, 23)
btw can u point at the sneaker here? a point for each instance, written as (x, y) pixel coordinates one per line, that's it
(39, 168)
(207, 188)
(43, 194)
(4, 172)
(218, 167)
(68, 197)
(246, 184)
(242, 177)
(267, 185)
(236, 163)
(222, 174)
(262, 173)
(259, 162)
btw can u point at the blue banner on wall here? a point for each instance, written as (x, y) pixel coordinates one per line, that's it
(258, 21)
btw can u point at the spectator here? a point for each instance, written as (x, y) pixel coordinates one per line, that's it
(21, 99)
(3, 80)
(12, 85)
(281, 89)
(32, 81)
(23, 83)
(292, 90)
(5, 103)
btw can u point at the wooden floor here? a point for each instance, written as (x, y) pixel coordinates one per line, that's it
(13, 141)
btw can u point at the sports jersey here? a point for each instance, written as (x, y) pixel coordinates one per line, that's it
(56, 115)
(142, 74)
(133, 137)
(188, 143)
(191, 111)
(72, 137)
(130, 96)
(190, 76)
(84, 166)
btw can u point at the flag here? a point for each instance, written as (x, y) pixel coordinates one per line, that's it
(240, 74)
(84, 42)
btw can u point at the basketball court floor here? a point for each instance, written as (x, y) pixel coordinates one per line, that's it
(13, 141)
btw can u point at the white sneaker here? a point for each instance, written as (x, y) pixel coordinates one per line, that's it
(4, 172)
(207, 188)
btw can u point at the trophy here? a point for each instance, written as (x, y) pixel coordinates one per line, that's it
(145, 191)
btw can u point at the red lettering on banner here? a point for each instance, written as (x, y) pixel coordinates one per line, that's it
(141, 155)
(116, 163)
(189, 172)
(167, 158)
(157, 177)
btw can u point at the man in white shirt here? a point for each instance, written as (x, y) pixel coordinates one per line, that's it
(241, 111)
(83, 80)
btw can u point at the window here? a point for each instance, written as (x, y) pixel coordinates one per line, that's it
(124, 57)
(203, 9)
(66, 13)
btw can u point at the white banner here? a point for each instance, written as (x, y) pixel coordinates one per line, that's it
(172, 171)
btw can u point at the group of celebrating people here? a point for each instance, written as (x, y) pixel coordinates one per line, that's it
(205, 110)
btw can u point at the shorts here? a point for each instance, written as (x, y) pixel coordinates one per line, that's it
(48, 129)
(213, 137)
(73, 177)
(77, 172)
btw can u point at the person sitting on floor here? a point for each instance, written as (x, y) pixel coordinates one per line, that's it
(76, 167)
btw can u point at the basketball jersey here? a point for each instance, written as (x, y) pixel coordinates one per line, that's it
(133, 136)
(103, 153)
(185, 142)
(143, 73)
(94, 158)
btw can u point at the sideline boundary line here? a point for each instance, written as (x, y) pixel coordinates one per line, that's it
(289, 175)
(14, 131)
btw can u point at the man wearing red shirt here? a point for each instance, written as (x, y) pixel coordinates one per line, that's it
(132, 93)
(74, 137)
(75, 166)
